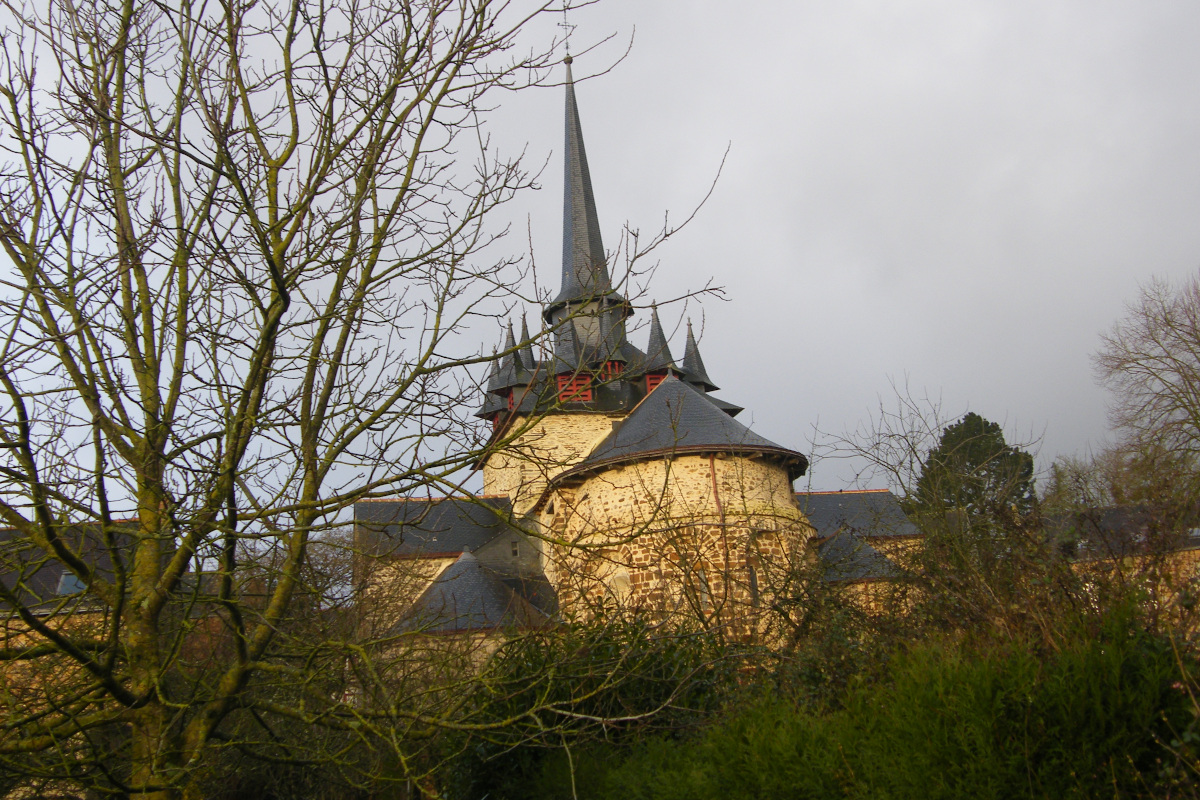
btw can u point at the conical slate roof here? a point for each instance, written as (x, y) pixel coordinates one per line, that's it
(508, 376)
(676, 419)
(568, 353)
(493, 381)
(693, 365)
(658, 352)
(584, 271)
(526, 357)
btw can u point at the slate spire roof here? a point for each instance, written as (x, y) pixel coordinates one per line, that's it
(677, 419)
(658, 352)
(568, 353)
(584, 270)
(509, 365)
(693, 365)
(525, 355)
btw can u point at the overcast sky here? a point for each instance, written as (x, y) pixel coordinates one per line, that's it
(962, 195)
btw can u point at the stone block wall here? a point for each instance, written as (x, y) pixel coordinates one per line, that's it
(700, 538)
(540, 449)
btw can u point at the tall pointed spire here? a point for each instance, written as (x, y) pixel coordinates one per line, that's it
(658, 352)
(693, 365)
(584, 271)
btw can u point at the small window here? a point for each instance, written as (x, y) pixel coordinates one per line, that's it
(753, 586)
(574, 388)
(516, 548)
(68, 584)
(611, 370)
(512, 400)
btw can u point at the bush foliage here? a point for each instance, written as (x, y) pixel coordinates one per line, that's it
(1108, 715)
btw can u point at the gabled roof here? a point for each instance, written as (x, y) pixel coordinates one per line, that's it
(871, 513)
(466, 596)
(846, 557)
(677, 419)
(430, 526)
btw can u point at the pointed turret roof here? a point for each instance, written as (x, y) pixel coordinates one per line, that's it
(584, 271)
(693, 365)
(508, 376)
(525, 354)
(658, 352)
(677, 419)
(493, 382)
(568, 355)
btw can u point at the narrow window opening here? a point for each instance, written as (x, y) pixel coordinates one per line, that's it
(516, 548)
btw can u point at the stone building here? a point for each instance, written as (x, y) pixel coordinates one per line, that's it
(614, 477)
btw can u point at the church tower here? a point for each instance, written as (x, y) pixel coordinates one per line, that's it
(548, 413)
(654, 497)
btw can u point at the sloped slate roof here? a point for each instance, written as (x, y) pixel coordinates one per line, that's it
(425, 527)
(1118, 532)
(466, 596)
(865, 513)
(727, 407)
(847, 556)
(37, 578)
(677, 418)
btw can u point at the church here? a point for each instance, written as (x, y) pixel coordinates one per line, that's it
(614, 480)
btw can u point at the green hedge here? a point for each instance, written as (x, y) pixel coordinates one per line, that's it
(1091, 720)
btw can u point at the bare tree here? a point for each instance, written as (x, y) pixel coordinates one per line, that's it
(243, 238)
(1151, 362)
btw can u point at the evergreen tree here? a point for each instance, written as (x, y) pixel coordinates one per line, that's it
(974, 470)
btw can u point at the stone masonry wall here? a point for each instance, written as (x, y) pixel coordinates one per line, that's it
(539, 450)
(705, 539)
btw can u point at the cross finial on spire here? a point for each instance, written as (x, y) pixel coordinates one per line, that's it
(569, 28)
